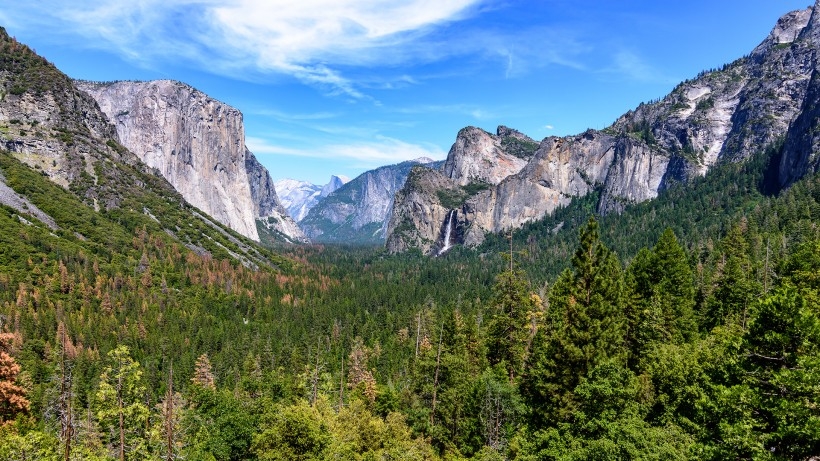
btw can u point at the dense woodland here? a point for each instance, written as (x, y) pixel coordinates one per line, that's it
(687, 327)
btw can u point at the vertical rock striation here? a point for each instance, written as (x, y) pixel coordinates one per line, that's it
(197, 143)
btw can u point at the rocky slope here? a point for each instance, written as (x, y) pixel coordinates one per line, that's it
(358, 211)
(51, 127)
(198, 145)
(722, 115)
(272, 218)
(298, 197)
(478, 156)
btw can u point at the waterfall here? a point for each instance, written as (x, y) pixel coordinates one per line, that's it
(448, 231)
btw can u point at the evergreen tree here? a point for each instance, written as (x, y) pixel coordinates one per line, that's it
(735, 287)
(509, 328)
(783, 359)
(585, 326)
(661, 297)
(119, 405)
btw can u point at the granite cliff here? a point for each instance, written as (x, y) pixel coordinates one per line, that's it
(358, 211)
(50, 128)
(198, 144)
(298, 197)
(723, 115)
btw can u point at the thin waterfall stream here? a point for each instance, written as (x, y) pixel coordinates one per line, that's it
(448, 233)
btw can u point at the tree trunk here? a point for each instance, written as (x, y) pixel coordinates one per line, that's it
(122, 421)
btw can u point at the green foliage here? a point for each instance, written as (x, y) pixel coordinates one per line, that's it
(28, 71)
(296, 432)
(642, 130)
(735, 289)
(662, 297)
(521, 148)
(585, 326)
(118, 405)
(220, 425)
(30, 445)
(509, 329)
(451, 198)
(475, 187)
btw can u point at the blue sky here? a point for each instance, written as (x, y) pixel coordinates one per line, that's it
(340, 86)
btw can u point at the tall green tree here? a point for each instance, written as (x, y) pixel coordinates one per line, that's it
(661, 298)
(508, 333)
(585, 326)
(735, 288)
(783, 359)
(120, 407)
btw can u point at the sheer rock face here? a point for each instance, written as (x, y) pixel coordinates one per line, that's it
(419, 216)
(802, 144)
(479, 156)
(268, 210)
(722, 115)
(359, 210)
(196, 143)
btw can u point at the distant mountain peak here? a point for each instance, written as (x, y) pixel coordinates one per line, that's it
(299, 197)
(422, 160)
(335, 183)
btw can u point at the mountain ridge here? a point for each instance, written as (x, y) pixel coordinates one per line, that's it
(298, 197)
(723, 115)
(358, 212)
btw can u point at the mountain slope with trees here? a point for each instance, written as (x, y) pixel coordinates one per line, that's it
(132, 327)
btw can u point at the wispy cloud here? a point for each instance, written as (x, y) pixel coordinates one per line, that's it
(310, 40)
(459, 109)
(294, 117)
(379, 151)
(328, 44)
(633, 67)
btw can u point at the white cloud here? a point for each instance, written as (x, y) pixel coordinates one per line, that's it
(292, 117)
(549, 127)
(381, 150)
(330, 44)
(310, 40)
(459, 109)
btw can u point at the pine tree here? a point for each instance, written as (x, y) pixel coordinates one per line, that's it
(783, 359)
(119, 404)
(661, 297)
(585, 326)
(509, 328)
(735, 288)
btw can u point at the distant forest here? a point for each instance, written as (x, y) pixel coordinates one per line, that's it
(687, 327)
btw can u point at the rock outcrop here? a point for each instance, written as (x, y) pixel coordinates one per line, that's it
(421, 212)
(197, 143)
(358, 212)
(478, 156)
(724, 115)
(272, 217)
